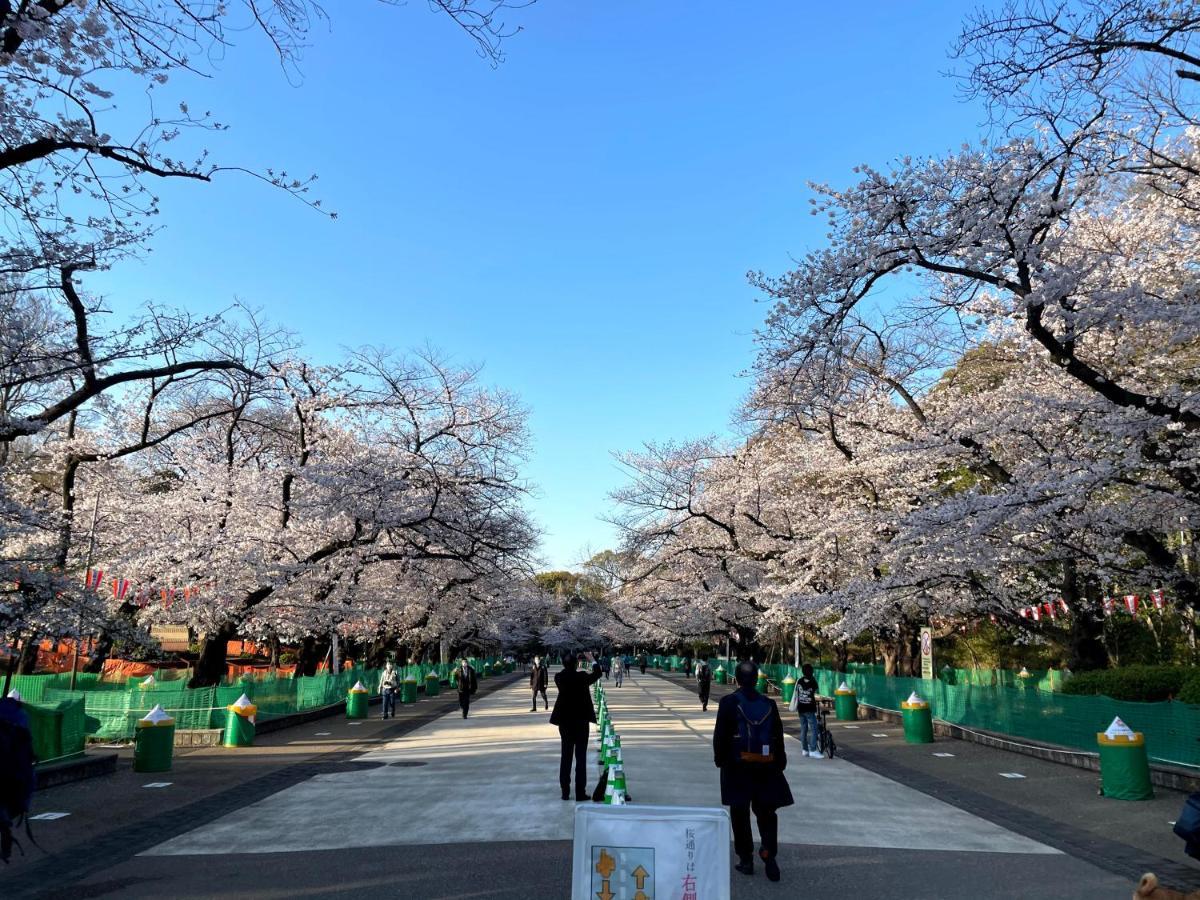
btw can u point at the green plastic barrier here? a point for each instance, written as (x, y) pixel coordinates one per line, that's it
(154, 743)
(1124, 767)
(357, 699)
(408, 690)
(918, 722)
(845, 705)
(787, 689)
(239, 725)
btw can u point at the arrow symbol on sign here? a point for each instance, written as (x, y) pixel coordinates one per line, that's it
(604, 893)
(640, 875)
(606, 865)
(640, 896)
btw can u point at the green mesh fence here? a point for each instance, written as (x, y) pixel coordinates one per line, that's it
(110, 710)
(1000, 701)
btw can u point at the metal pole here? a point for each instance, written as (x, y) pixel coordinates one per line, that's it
(796, 651)
(333, 654)
(87, 565)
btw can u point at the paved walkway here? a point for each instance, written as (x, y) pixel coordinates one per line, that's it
(471, 809)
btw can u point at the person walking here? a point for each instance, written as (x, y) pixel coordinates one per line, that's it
(704, 680)
(539, 680)
(642, 663)
(806, 708)
(606, 666)
(468, 684)
(748, 749)
(574, 715)
(389, 682)
(618, 668)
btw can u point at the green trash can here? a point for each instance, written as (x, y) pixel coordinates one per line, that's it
(154, 742)
(761, 684)
(358, 698)
(918, 720)
(788, 689)
(239, 723)
(486, 670)
(433, 687)
(408, 689)
(719, 675)
(1124, 768)
(845, 703)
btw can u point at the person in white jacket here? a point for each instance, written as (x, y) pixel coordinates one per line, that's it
(389, 682)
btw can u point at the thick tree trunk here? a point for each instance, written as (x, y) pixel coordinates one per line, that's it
(1086, 643)
(101, 650)
(307, 657)
(27, 660)
(841, 655)
(210, 668)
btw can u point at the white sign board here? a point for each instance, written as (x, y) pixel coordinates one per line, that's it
(650, 853)
(927, 653)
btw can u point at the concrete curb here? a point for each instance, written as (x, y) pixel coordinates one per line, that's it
(88, 765)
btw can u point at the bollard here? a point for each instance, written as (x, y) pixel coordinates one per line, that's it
(845, 703)
(154, 742)
(357, 699)
(918, 720)
(761, 684)
(788, 689)
(432, 686)
(239, 723)
(1124, 768)
(408, 689)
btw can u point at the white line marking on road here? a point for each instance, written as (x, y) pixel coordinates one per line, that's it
(849, 726)
(878, 735)
(47, 816)
(1011, 775)
(322, 733)
(943, 755)
(158, 784)
(354, 723)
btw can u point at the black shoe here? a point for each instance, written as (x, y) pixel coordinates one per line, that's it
(566, 795)
(533, 709)
(582, 797)
(771, 867)
(746, 866)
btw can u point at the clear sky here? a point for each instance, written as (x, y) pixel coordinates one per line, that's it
(580, 220)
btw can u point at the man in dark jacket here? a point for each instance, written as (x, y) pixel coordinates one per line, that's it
(467, 683)
(539, 680)
(704, 679)
(574, 715)
(748, 748)
(642, 663)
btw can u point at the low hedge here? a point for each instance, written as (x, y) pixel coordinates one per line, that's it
(1144, 684)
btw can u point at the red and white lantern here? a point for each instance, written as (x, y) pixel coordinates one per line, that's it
(1131, 603)
(94, 577)
(120, 587)
(1159, 598)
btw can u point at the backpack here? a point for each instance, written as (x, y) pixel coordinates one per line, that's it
(755, 724)
(17, 776)
(704, 674)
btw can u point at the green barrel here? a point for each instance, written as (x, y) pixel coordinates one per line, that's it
(1124, 768)
(486, 670)
(356, 704)
(154, 742)
(845, 705)
(788, 689)
(408, 689)
(433, 687)
(918, 722)
(761, 685)
(239, 726)
(719, 675)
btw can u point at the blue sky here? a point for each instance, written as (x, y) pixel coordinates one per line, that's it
(579, 221)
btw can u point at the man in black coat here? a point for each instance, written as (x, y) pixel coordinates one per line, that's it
(468, 684)
(704, 680)
(574, 715)
(748, 748)
(539, 680)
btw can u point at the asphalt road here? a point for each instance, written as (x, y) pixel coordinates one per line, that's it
(470, 809)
